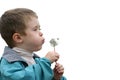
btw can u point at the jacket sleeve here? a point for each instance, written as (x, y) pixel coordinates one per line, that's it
(48, 75)
(46, 70)
(16, 71)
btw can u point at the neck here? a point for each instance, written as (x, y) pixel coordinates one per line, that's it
(18, 49)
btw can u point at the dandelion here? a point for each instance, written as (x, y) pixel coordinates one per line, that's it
(54, 42)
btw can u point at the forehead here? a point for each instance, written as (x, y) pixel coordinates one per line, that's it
(32, 22)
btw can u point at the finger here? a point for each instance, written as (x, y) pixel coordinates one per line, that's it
(59, 68)
(61, 72)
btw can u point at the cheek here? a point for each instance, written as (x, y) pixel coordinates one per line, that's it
(37, 44)
(37, 41)
(35, 38)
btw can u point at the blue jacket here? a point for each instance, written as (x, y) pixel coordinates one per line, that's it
(13, 67)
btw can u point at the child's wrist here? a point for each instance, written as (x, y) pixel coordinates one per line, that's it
(51, 61)
(47, 59)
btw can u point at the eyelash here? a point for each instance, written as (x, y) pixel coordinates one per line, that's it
(37, 29)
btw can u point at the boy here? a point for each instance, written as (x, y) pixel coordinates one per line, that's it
(21, 31)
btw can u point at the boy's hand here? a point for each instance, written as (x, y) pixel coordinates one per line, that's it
(58, 71)
(52, 56)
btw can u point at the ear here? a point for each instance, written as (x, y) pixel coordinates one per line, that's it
(17, 38)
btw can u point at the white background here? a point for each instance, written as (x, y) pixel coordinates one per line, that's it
(89, 32)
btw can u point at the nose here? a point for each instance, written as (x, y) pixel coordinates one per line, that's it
(41, 34)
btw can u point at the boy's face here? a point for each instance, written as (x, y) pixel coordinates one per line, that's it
(33, 39)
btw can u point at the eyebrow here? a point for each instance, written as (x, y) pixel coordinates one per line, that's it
(37, 26)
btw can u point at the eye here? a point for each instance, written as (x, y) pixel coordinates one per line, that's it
(35, 29)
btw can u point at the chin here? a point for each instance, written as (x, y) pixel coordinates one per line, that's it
(37, 49)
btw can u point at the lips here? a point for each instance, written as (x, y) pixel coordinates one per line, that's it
(43, 41)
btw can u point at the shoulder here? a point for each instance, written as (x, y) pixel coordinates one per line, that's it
(11, 56)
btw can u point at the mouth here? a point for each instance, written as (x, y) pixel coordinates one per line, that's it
(43, 41)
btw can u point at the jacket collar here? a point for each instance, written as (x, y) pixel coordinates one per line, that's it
(11, 56)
